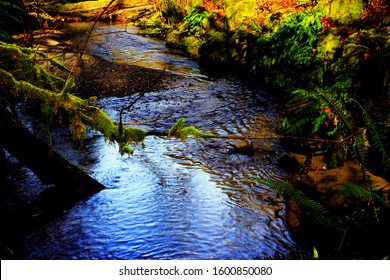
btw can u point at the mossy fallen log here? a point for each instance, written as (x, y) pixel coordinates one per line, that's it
(45, 162)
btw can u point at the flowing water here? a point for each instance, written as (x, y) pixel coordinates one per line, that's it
(173, 199)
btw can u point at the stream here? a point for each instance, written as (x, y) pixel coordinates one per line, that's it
(173, 199)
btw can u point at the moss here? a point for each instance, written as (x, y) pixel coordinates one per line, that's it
(53, 82)
(134, 134)
(125, 149)
(192, 45)
(215, 47)
(344, 11)
(180, 131)
(176, 128)
(62, 102)
(173, 38)
(29, 69)
(242, 42)
(239, 11)
(68, 86)
(24, 62)
(328, 45)
(153, 28)
(79, 130)
(191, 130)
(7, 82)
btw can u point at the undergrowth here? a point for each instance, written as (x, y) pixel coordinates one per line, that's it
(358, 231)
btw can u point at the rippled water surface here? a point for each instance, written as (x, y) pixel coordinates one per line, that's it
(174, 199)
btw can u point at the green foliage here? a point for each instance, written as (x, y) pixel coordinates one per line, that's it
(179, 130)
(290, 48)
(8, 17)
(326, 115)
(196, 21)
(239, 11)
(241, 42)
(189, 36)
(35, 84)
(215, 47)
(125, 149)
(315, 253)
(367, 212)
(354, 191)
(332, 115)
(14, 57)
(314, 209)
(370, 208)
(329, 44)
(175, 10)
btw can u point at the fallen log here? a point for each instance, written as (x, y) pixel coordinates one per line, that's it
(43, 160)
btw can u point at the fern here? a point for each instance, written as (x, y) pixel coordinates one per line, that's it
(290, 47)
(314, 209)
(378, 140)
(8, 16)
(326, 114)
(373, 208)
(310, 112)
(352, 190)
(194, 20)
(320, 120)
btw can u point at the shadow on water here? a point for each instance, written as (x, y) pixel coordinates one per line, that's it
(173, 199)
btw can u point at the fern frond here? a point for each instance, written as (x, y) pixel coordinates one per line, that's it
(333, 131)
(378, 141)
(360, 150)
(295, 126)
(318, 121)
(315, 210)
(352, 190)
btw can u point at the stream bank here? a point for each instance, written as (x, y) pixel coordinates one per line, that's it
(361, 221)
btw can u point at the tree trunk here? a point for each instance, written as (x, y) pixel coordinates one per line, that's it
(45, 162)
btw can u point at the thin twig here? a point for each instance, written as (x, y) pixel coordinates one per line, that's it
(82, 50)
(143, 122)
(138, 98)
